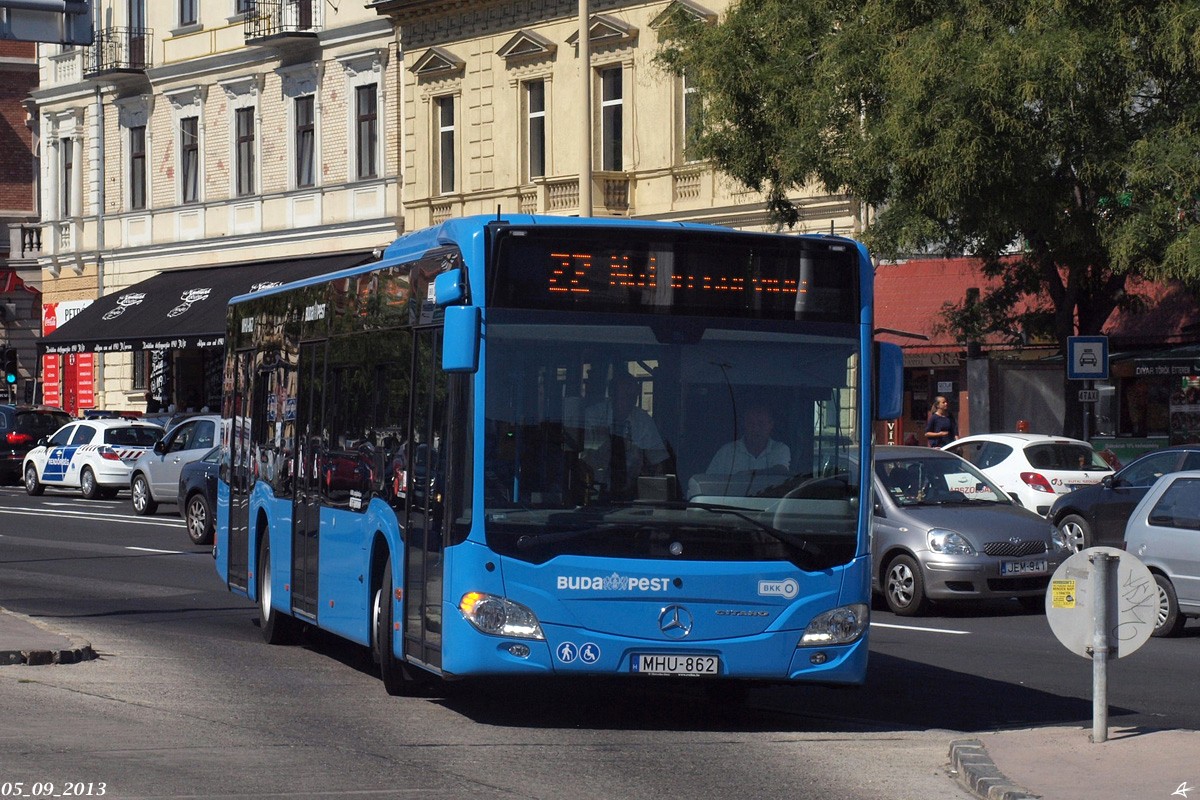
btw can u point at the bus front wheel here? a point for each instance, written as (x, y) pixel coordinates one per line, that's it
(398, 678)
(277, 628)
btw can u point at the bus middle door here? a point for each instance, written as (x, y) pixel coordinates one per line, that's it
(311, 451)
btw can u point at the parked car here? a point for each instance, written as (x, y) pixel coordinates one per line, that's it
(197, 496)
(1164, 533)
(94, 455)
(1031, 467)
(1097, 514)
(21, 427)
(154, 478)
(944, 531)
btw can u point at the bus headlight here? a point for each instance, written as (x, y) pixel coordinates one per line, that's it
(843, 625)
(499, 616)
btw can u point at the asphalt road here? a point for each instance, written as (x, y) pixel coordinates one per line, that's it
(186, 700)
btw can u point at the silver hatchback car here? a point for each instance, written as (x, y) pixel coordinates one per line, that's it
(1164, 532)
(943, 531)
(154, 478)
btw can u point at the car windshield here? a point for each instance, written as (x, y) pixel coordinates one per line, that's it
(133, 436)
(927, 480)
(1065, 456)
(40, 423)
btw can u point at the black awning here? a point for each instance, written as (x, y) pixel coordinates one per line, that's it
(180, 308)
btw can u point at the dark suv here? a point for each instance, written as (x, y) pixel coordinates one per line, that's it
(21, 427)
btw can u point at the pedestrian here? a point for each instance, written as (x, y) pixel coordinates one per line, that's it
(940, 428)
(152, 406)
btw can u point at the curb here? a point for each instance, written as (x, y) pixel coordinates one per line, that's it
(72, 650)
(974, 770)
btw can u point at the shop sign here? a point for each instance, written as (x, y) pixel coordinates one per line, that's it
(1149, 369)
(932, 359)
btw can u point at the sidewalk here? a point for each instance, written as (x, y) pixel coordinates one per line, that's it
(26, 641)
(1062, 763)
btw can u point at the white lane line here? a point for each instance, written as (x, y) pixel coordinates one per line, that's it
(917, 628)
(178, 523)
(162, 552)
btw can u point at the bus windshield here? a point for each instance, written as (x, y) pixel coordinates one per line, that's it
(686, 437)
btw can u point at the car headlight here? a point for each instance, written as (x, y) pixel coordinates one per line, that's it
(499, 616)
(950, 543)
(1061, 540)
(843, 625)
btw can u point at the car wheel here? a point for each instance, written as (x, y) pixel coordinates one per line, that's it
(198, 518)
(33, 486)
(277, 628)
(139, 491)
(1169, 621)
(904, 587)
(88, 485)
(1077, 530)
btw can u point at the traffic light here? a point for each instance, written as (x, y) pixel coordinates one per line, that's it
(10, 366)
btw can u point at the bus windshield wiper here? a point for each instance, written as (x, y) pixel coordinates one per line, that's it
(804, 554)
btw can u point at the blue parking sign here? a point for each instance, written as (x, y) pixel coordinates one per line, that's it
(1087, 358)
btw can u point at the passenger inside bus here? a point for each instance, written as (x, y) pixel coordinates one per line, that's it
(621, 441)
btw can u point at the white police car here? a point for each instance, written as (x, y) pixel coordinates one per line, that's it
(94, 455)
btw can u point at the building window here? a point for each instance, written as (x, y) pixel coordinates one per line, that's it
(141, 369)
(66, 150)
(137, 167)
(535, 98)
(187, 12)
(692, 120)
(444, 154)
(241, 6)
(245, 151)
(189, 159)
(610, 119)
(306, 131)
(367, 130)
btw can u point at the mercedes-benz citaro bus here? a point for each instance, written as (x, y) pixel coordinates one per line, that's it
(535, 445)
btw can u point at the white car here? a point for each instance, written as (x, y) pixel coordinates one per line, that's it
(155, 475)
(94, 455)
(1164, 533)
(1031, 467)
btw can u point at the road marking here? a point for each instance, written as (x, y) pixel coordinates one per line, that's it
(917, 628)
(162, 552)
(178, 523)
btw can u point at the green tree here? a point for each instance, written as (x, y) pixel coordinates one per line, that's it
(1064, 131)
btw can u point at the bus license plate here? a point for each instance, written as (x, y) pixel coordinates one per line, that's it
(1035, 567)
(676, 665)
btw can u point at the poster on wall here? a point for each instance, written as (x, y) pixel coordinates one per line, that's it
(1185, 413)
(81, 375)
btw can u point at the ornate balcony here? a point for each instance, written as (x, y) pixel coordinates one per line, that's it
(274, 19)
(120, 50)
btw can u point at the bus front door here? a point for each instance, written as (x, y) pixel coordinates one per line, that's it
(310, 467)
(423, 561)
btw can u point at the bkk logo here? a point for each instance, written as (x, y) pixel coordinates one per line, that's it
(613, 583)
(788, 588)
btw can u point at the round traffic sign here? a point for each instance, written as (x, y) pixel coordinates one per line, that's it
(1132, 602)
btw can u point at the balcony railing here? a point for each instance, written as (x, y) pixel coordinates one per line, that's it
(120, 50)
(266, 19)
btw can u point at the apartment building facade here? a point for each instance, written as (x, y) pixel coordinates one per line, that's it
(232, 132)
(202, 137)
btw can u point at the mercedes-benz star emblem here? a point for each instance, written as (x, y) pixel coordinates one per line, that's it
(675, 622)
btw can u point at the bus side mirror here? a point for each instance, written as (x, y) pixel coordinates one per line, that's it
(448, 288)
(889, 381)
(460, 338)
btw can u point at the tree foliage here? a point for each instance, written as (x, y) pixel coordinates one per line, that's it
(1068, 130)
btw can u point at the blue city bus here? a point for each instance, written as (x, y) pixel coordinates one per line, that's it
(554, 446)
